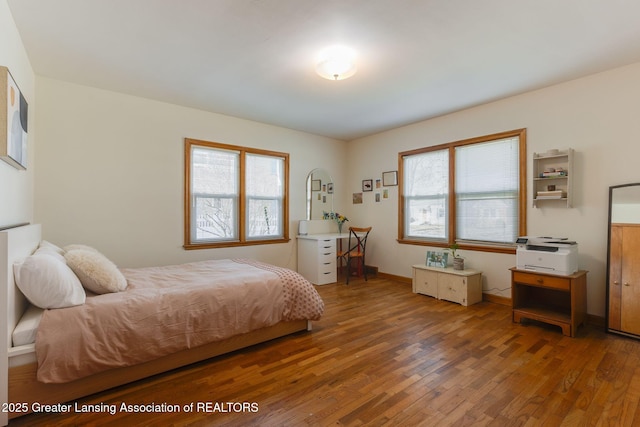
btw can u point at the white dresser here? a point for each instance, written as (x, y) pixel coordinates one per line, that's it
(317, 257)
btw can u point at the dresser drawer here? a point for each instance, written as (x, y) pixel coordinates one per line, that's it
(327, 247)
(542, 281)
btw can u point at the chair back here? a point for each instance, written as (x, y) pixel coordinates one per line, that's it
(358, 239)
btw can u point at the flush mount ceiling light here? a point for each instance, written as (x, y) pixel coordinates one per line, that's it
(336, 63)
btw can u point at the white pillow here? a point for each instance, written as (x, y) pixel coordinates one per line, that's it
(50, 246)
(50, 249)
(95, 271)
(48, 282)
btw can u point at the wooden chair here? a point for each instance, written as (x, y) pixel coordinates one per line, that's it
(355, 250)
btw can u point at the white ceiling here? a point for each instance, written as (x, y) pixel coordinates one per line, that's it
(255, 59)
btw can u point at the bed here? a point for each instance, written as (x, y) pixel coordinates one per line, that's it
(184, 340)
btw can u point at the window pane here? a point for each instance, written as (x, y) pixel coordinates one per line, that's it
(264, 194)
(215, 218)
(487, 178)
(214, 171)
(426, 194)
(489, 220)
(426, 217)
(265, 217)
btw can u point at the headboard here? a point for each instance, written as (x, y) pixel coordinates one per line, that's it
(15, 244)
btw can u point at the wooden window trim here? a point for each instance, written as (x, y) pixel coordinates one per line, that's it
(522, 201)
(242, 240)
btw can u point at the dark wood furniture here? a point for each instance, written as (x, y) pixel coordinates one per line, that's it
(550, 298)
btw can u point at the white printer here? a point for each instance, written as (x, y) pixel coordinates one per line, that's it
(555, 255)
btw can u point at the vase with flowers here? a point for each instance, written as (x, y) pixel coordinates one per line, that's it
(338, 218)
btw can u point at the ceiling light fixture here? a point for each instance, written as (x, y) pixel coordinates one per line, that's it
(336, 63)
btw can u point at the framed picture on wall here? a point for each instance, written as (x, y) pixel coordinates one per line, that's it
(13, 122)
(316, 185)
(367, 185)
(390, 178)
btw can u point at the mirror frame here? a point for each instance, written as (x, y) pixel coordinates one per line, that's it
(309, 192)
(608, 270)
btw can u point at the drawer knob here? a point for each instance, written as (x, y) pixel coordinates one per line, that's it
(539, 280)
(616, 282)
(627, 284)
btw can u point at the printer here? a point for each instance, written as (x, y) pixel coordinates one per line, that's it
(555, 255)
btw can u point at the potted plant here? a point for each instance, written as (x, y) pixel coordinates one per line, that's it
(458, 261)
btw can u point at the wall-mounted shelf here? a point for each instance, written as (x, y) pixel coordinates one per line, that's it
(553, 178)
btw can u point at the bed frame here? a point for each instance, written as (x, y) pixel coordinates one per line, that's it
(18, 370)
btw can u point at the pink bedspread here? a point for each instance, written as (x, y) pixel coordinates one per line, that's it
(168, 309)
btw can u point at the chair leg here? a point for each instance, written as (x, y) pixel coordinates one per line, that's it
(364, 267)
(348, 269)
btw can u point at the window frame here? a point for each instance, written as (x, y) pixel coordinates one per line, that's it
(241, 214)
(451, 205)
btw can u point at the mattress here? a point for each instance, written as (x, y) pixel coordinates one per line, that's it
(25, 331)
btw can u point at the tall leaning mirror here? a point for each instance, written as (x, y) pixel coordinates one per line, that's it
(623, 260)
(319, 193)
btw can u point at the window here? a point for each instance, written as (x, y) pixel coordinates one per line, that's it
(234, 195)
(470, 192)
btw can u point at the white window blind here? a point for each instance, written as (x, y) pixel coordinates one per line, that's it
(264, 194)
(487, 191)
(215, 189)
(426, 195)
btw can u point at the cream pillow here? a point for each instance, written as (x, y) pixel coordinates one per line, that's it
(78, 246)
(48, 282)
(95, 271)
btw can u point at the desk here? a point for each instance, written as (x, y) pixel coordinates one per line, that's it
(317, 257)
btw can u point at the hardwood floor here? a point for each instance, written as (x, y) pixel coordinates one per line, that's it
(384, 356)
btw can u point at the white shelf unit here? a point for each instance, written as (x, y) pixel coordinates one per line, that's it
(553, 168)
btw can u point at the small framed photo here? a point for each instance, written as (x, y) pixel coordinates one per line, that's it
(390, 178)
(367, 185)
(357, 198)
(437, 259)
(316, 184)
(330, 188)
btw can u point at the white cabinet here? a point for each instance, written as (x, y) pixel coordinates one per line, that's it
(553, 174)
(317, 259)
(461, 286)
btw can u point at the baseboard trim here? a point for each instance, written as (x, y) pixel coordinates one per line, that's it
(497, 299)
(402, 279)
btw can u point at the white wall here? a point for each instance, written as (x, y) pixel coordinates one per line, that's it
(597, 116)
(111, 173)
(16, 186)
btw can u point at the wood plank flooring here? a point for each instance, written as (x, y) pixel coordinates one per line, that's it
(383, 356)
